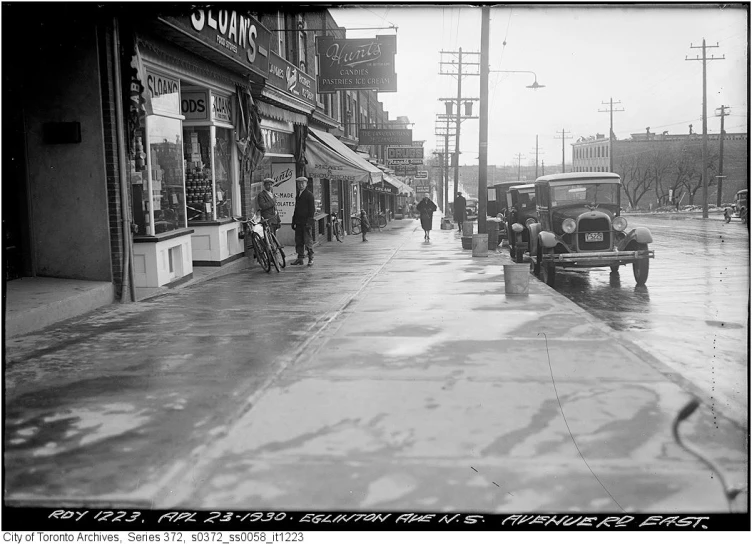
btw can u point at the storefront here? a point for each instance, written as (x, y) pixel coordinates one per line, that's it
(284, 104)
(184, 162)
(338, 177)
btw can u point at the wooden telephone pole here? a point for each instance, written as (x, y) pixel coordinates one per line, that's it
(704, 120)
(563, 156)
(611, 111)
(722, 115)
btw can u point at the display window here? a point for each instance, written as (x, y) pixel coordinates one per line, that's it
(208, 179)
(318, 194)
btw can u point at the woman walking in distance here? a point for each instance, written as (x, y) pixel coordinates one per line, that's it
(426, 208)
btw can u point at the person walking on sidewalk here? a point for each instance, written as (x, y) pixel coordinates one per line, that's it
(460, 210)
(426, 209)
(267, 205)
(302, 221)
(365, 224)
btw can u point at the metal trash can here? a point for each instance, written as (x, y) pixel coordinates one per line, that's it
(467, 228)
(480, 245)
(517, 279)
(467, 242)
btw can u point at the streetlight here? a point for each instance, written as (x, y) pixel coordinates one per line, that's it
(483, 137)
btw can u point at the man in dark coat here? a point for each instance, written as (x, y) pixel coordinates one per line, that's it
(460, 210)
(302, 221)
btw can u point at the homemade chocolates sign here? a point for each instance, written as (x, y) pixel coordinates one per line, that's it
(356, 64)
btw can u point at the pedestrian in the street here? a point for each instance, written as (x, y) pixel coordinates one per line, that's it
(267, 205)
(426, 208)
(365, 224)
(302, 221)
(460, 210)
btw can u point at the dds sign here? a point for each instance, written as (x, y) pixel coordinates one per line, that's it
(195, 105)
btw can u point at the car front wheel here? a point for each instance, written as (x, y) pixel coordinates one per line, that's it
(547, 270)
(641, 268)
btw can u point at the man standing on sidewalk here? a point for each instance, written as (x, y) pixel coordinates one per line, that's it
(302, 221)
(460, 211)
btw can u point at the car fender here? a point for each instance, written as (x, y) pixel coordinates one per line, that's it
(641, 235)
(548, 239)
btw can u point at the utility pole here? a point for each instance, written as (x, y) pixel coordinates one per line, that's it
(483, 135)
(462, 66)
(543, 164)
(537, 152)
(443, 129)
(611, 111)
(722, 115)
(563, 137)
(519, 158)
(704, 120)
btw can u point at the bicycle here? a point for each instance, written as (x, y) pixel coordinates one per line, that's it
(355, 224)
(729, 492)
(255, 231)
(379, 220)
(336, 226)
(276, 254)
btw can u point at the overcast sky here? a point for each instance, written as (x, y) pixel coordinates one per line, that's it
(583, 54)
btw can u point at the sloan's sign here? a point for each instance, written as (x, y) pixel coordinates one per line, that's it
(357, 64)
(236, 35)
(285, 76)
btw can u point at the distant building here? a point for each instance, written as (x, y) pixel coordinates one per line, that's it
(592, 154)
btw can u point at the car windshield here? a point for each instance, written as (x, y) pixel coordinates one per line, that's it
(590, 193)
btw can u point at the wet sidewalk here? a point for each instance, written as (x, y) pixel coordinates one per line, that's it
(394, 374)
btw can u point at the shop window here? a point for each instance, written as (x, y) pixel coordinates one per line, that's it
(208, 173)
(165, 169)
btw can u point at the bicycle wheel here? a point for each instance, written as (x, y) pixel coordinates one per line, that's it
(355, 225)
(382, 221)
(277, 253)
(262, 256)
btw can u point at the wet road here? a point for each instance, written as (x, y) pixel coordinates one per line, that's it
(693, 312)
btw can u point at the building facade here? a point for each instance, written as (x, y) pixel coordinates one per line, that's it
(132, 141)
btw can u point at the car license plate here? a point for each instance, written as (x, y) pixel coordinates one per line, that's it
(593, 236)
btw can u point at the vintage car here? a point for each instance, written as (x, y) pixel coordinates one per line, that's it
(522, 211)
(580, 226)
(739, 209)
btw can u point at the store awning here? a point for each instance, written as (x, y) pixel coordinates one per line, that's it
(329, 158)
(402, 188)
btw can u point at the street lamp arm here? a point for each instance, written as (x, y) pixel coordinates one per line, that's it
(535, 84)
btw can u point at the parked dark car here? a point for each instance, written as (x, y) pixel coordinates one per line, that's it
(740, 209)
(523, 212)
(581, 227)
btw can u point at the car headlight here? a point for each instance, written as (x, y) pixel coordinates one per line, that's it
(569, 225)
(619, 223)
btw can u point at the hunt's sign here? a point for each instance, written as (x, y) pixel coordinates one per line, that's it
(236, 35)
(356, 64)
(286, 77)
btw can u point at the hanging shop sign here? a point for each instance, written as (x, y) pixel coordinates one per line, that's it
(411, 170)
(283, 174)
(421, 174)
(413, 152)
(356, 64)
(385, 136)
(194, 105)
(286, 77)
(237, 35)
(391, 162)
